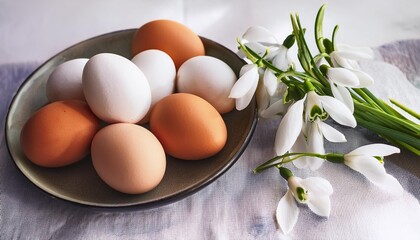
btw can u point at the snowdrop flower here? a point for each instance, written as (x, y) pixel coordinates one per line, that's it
(276, 107)
(289, 128)
(266, 45)
(346, 72)
(313, 191)
(317, 107)
(244, 89)
(367, 160)
(340, 78)
(347, 56)
(314, 130)
(261, 41)
(249, 84)
(342, 94)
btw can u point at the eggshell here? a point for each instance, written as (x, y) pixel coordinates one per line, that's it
(188, 126)
(174, 38)
(116, 89)
(160, 72)
(59, 133)
(209, 78)
(65, 81)
(128, 158)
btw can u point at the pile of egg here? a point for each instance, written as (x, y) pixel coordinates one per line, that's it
(102, 105)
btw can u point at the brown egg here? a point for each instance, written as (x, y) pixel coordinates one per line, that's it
(174, 38)
(59, 133)
(188, 126)
(128, 158)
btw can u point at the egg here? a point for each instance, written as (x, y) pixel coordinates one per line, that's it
(174, 38)
(188, 127)
(65, 81)
(128, 158)
(59, 133)
(209, 78)
(116, 89)
(160, 72)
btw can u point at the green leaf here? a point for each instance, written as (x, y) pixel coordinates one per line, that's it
(318, 29)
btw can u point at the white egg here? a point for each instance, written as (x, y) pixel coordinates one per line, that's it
(65, 81)
(209, 78)
(116, 89)
(159, 70)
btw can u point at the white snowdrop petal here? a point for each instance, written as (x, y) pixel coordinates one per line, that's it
(259, 34)
(245, 83)
(342, 93)
(317, 186)
(243, 102)
(274, 109)
(343, 77)
(390, 184)
(338, 61)
(263, 98)
(365, 80)
(246, 68)
(287, 212)
(320, 205)
(270, 81)
(289, 128)
(258, 48)
(301, 163)
(355, 53)
(376, 149)
(331, 134)
(281, 60)
(338, 111)
(370, 167)
(315, 145)
(300, 147)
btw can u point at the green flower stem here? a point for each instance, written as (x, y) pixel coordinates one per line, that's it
(304, 52)
(382, 104)
(404, 124)
(356, 98)
(401, 138)
(405, 108)
(278, 161)
(366, 98)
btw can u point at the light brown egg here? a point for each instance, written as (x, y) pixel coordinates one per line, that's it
(128, 158)
(59, 133)
(188, 126)
(174, 38)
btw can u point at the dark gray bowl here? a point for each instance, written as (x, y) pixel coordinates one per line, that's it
(79, 182)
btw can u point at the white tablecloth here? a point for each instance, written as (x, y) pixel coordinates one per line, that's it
(238, 205)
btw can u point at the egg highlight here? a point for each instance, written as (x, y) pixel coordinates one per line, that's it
(209, 78)
(116, 89)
